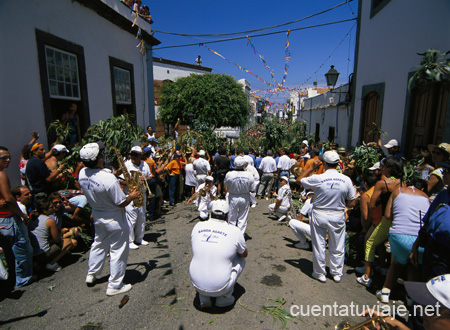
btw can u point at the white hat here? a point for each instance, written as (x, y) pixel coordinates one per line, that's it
(391, 143)
(285, 178)
(201, 153)
(239, 162)
(209, 178)
(375, 166)
(219, 207)
(60, 148)
(136, 149)
(305, 142)
(89, 151)
(435, 290)
(331, 157)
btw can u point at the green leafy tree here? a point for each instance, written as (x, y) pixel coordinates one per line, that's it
(214, 99)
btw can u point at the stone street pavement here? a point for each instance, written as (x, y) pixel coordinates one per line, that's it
(163, 297)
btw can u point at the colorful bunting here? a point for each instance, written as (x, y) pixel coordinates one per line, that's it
(240, 67)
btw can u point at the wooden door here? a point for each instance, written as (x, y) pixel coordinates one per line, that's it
(427, 112)
(370, 121)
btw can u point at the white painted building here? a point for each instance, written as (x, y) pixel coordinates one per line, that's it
(55, 53)
(327, 115)
(164, 71)
(390, 34)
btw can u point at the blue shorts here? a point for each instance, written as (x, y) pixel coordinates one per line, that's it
(401, 246)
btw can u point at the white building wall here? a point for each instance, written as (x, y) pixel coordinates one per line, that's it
(324, 110)
(388, 47)
(20, 88)
(163, 71)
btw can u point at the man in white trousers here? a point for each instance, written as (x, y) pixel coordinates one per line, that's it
(219, 253)
(239, 185)
(201, 167)
(204, 202)
(102, 190)
(250, 168)
(333, 191)
(282, 204)
(302, 228)
(136, 215)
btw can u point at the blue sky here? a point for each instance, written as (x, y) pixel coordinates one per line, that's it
(310, 48)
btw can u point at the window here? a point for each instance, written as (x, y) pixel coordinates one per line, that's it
(331, 133)
(122, 83)
(62, 72)
(122, 87)
(317, 132)
(377, 6)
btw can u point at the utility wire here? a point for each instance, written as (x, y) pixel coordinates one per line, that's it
(256, 30)
(259, 35)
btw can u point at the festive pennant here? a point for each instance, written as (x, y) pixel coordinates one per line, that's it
(262, 59)
(240, 67)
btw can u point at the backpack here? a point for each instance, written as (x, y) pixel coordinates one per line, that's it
(439, 224)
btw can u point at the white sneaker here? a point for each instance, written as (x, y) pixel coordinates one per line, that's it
(367, 282)
(320, 278)
(123, 289)
(53, 267)
(282, 218)
(253, 206)
(303, 246)
(383, 296)
(142, 243)
(337, 278)
(133, 246)
(224, 301)
(90, 280)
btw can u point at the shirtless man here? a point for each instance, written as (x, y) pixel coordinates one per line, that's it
(12, 226)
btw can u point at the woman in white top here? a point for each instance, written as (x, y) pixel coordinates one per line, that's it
(190, 179)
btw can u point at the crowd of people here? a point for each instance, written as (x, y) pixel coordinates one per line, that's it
(399, 233)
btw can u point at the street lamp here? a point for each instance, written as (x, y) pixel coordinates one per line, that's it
(332, 76)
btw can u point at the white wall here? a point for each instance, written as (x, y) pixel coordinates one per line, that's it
(388, 47)
(160, 71)
(320, 109)
(20, 88)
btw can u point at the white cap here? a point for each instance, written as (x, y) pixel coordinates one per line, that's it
(219, 207)
(209, 178)
(60, 148)
(201, 153)
(435, 290)
(239, 162)
(136, 149)
(89, 151)
(331, 157)
(305, 142)
(391, 143)
(285, 178)
(375, 166)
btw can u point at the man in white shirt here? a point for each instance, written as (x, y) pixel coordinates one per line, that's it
(219, 253)
(239, 184)
(300, 227)
(248, 158)
(268, 168)
(136, 215)
(23, 197)
(284, 164)
(102, 190)
(201, 167)
(333, 191)
(204, 202)
(250, 168)
(282, 204)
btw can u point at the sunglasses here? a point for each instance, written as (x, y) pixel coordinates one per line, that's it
(5, 157)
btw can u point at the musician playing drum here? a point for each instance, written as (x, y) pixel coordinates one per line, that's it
(204, 194)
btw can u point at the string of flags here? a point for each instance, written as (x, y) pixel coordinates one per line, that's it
(240, 67)
(135, 10)
(262, 59)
